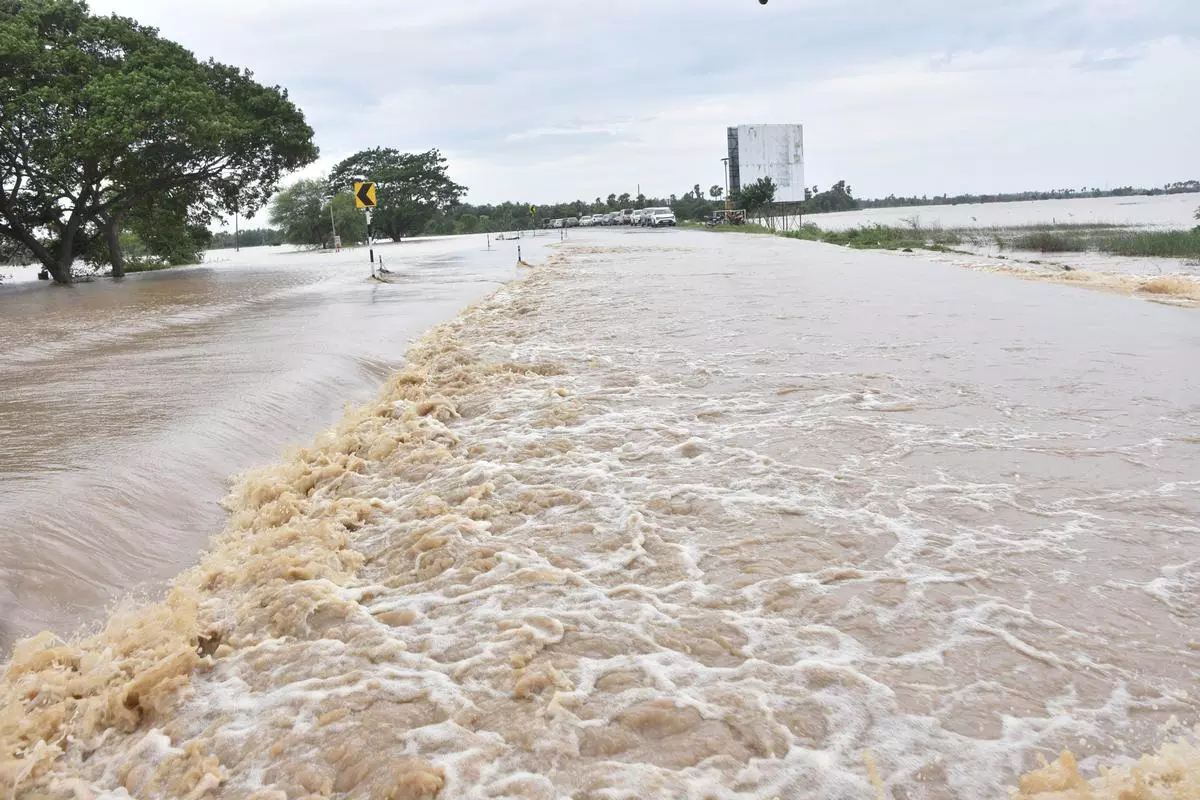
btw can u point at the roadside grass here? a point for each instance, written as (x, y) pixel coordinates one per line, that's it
(1159, 244)
(749, 227)
(879, 237)
(143, 266)
(1114, 241)
(1047, 241)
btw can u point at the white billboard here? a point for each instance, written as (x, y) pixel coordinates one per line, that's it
(775, 152)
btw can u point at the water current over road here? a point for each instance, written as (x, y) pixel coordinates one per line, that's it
(124, 409)
(680, 514)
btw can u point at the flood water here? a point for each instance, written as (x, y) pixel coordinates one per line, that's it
(125, 408)
(1158, 211)
(679, 514)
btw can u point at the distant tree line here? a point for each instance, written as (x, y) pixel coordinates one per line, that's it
(892, 201)
(430, 204)
(255, 237)
(757, 199)
(694, 205)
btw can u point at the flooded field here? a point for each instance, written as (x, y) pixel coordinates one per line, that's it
(124, 409)
(679, 514)
(1159, 211)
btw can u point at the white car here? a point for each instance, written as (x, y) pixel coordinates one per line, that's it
(625, 216)
(636, 217)
(586, 222)
(658, 217)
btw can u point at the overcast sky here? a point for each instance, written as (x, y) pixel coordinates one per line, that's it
(568, 99)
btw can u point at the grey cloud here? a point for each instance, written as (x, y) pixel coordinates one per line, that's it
(497, 85)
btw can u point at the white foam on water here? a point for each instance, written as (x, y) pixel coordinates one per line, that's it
(592, 544)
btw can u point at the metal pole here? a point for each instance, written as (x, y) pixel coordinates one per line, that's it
(332, 224)
(728, 199)
(371, 241)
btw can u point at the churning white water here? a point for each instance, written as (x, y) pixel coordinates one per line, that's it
(684, 515)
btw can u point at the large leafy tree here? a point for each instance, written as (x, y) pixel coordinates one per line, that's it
(411, 188)
(102, 121)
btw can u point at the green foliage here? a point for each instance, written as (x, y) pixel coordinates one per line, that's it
(1155, 244)
(350, 220)
(839, 198)
(105, 121)
(877, 237)
(1120, 242)
(297, 213)
(301, 213)
(756, 197)
(749, 227)
(254, 237)
(1049, 242)
(411, 187)
(467, 223)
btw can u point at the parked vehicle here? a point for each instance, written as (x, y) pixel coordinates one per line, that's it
(555, 223)
(586, 222)
(636, 217)
(659, 217)
(625, 216)
(570, 222)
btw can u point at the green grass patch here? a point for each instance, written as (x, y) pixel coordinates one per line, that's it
(879, 237)
(1050, 242)
(142, 266)
(749, 227)
(1152, 244)
(1114, 241)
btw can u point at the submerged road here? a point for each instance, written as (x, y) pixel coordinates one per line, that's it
(685, 514)
(125, 408)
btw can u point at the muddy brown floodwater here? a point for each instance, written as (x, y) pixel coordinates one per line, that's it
(125, 409)
(682, 514)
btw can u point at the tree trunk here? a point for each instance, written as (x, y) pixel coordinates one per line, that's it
(60, 270)
(112, 234)
(43, 254)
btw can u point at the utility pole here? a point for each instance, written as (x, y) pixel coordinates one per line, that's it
(728, 199)
(333, 224)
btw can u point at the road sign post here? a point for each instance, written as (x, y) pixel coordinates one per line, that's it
(364, 198)
(533, 217)
(370, 241)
